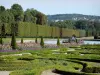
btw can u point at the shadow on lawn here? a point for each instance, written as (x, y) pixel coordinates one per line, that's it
(66, 72)
(89, 60)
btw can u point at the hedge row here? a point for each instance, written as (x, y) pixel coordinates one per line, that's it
(69, 32)
(26, 29)
(31, 30)
(7, 28)
(82, 33)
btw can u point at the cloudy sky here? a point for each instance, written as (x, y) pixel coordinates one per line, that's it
(87, 7)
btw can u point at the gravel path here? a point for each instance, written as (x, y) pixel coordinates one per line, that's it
(48, 72)
(4, 72)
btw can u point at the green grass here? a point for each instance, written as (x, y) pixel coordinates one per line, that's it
(6, 40)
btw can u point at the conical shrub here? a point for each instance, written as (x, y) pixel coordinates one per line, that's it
(42, 42)
(58, 42)
(22, 41)
(1, 41)
(69, 40)
(13, 41)
(76, 41)
(36, 40)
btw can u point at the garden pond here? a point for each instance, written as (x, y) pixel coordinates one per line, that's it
(84, 41)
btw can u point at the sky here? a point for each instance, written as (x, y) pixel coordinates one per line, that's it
(50, 7)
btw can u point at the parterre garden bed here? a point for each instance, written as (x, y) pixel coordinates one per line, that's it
(81, 60)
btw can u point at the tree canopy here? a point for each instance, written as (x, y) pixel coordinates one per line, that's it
(16, 14)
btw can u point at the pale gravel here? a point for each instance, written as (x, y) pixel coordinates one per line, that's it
(49, 72)
(5, 72)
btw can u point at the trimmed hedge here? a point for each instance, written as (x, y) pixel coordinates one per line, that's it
(69, 32)
(41, 30)
(32, 30)
(82, 33)
(89, 33)
(7, 28)
(27, 29)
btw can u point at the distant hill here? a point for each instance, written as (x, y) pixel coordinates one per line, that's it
(62, 17)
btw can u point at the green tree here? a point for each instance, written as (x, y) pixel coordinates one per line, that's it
(2, 8)
(1, 41)
(6, 16)
(58, 42)
(63, 24)
(42, 42)
(22, 41)
(41, 19)
(29, 17)
(36, 41)
(13, 41)
(17, 11)
(81, 24)
(69, 40)
(3, 14)
(10, 16)
(3, 30)
(97, 27)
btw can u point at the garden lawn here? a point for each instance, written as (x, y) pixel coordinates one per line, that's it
(74, 61)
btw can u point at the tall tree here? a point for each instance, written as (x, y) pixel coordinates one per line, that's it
(17, 11)
(81, 24)
(41, 19)
(29, 16)
(2, 8)
(10, 16)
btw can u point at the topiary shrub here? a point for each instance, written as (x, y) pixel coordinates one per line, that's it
(36, 40)
(95, 37)
(84, 67)
(58, 42)
(1, 41)
(42, 42)
(76, 41)
(13, 42)
(21, 40)
(69, 40)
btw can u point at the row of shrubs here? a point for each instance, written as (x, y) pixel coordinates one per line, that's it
(95, 46)
(14, 44)
(26, 29)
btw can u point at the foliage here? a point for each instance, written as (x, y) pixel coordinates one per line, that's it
(31, 18)
(33, 30)
(22, 40)
(3, 30)
(63, 24)
(95, 37)
(82, 33)
(13, 41)
(2, 8)
(1, 41)
(58, 42)
(76, 40)
(42, 42)
(17, 11)
(41, 60)
(36, 41)
(69, 40)
(41, 19)
(71, 17)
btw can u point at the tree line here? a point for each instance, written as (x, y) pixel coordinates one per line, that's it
(16, 14)
(72, 17)
(88, 26)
